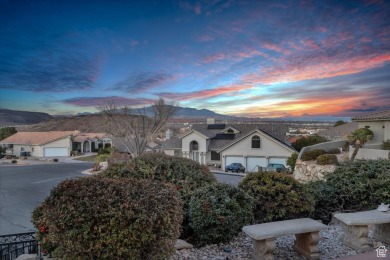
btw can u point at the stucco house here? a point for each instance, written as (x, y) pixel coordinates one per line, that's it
(252, 145)
(53, 143)
(378, 122)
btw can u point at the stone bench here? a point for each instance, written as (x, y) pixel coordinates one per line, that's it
(355, 227)
(306, 231)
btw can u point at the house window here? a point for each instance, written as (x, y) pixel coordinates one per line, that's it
(230, 131)
(215, 156)
(194, 146)
(22, 149)
(367, 126)
(256, 142)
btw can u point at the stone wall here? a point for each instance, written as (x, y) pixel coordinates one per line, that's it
(309, 170)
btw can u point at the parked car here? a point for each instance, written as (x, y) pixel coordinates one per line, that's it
(25, 154)
(276, 167)
(235, 167)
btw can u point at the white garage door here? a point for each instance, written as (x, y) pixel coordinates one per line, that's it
(234, 159)
(253, 162)
(57, 151)
(278, 160)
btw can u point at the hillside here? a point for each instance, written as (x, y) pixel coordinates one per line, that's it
(15, 118)
(85, 123)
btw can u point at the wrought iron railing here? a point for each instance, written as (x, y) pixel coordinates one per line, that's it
(14, 245)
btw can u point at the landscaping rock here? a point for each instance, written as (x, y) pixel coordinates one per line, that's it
(181, 244)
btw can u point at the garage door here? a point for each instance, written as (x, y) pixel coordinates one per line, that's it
(253, 162)
(234, 159)
(278, 160)
(58, 151)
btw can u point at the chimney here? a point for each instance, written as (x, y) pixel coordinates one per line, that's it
(210, 120)
(168, 134)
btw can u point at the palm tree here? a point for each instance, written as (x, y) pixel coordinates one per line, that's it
(360, 137)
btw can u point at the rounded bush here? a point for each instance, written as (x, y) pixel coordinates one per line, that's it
(277, 196)
(354, 186)
(326, 159)
(14, 161)
(312, 155)
(101, 218)
(187, 175)
(218, 212)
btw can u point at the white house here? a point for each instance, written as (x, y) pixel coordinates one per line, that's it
(54, 143)
(222, 144)
(378, 122)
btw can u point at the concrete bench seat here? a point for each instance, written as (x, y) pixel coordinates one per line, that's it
(306, 231)
(355, 227)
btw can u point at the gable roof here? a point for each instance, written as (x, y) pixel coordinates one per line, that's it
(376, 116)
(81, 137)
(218, 141)
(36, 138)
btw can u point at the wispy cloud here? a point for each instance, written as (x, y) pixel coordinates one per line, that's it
(142, 82)
(207, 93)
(100, 101)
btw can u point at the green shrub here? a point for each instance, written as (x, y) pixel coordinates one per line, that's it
(187, 175)
(292, 160)
(14, 161)
(326, 159)
(386, 145)
(333, 151)
(102, 157)
(307, 141)
(104, 151)
(312, 155)
(354, 186)
(218, 212)
(277, 196)
(101, 218)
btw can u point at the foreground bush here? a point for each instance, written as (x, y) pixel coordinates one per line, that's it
(99, 218)
(187, 175)
(327, 159)
(354, 186)
(277, 196)
(218, 212)
(312, 155)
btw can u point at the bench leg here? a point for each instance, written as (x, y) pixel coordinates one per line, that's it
(306, 244)
(263, 249)
(382, 233)
(356, 237)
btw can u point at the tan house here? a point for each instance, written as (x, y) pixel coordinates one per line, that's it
(252, 145)
(378, 122)
(53, 143)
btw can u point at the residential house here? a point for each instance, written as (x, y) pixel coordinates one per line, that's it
(378, 122)
(338, 133)
(53, 143)
(252, 145)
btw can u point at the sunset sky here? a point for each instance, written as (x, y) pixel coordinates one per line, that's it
(244, 58)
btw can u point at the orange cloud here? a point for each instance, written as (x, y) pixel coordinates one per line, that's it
(300, 71)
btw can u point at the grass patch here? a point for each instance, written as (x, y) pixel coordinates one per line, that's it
(91, 158)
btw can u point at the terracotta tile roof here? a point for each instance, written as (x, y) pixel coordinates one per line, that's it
(36, 138)
(378, 115)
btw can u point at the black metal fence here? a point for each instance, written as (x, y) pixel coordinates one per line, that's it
(14, 245)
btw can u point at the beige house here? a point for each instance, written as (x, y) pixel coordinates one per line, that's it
(378, 122)
(53, 143)
(252, 145)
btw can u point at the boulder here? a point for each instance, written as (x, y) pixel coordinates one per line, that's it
(181, 244)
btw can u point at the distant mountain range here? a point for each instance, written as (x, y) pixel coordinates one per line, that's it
(14, 118)
(47, 122)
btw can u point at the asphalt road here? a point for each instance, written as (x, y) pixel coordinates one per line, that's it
(22, 188)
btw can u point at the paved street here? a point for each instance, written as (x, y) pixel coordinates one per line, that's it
(22, 188)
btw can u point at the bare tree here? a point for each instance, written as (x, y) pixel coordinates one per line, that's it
(134, 127)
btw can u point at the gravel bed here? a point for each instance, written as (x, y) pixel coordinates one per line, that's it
(330, 247)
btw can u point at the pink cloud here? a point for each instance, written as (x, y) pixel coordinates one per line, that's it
(208, 93)
(100, 101)
(316, 68)
(309, 43)
(215, 57)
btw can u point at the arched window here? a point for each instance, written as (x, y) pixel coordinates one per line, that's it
(255, 141)
(194, 146)
(230, 131)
